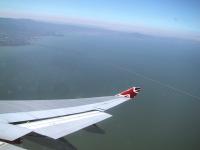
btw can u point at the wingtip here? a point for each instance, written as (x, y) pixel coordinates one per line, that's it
(130, 93)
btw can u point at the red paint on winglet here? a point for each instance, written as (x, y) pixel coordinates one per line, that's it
(130, 93)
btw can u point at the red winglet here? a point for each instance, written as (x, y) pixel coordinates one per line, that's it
(130, 93)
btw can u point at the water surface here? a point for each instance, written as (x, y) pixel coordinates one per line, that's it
(87, 64)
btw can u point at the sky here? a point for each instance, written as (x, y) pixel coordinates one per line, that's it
(179, 18)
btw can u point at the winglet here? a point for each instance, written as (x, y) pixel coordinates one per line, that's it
(130, 93)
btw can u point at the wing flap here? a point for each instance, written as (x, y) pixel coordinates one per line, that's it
(11, 132)
(62, 126)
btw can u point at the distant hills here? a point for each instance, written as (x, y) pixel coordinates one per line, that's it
(22, 31)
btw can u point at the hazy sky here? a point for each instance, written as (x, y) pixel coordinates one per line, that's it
(170, 17)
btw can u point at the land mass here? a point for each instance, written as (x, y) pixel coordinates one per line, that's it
(14, 32)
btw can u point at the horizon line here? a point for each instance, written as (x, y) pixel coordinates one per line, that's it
(112, 26)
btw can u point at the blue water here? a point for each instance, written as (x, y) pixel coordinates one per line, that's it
(83, 64)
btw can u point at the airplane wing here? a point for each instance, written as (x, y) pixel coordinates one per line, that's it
(55, 118)
(6, 146)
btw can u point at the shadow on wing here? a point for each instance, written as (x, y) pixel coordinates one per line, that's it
(39, 142)
(95, 129)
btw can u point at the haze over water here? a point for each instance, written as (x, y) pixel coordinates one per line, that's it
(88, 64)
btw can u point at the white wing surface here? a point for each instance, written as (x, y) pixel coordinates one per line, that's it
(11, 132)
(61, 126)
(55, 118)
